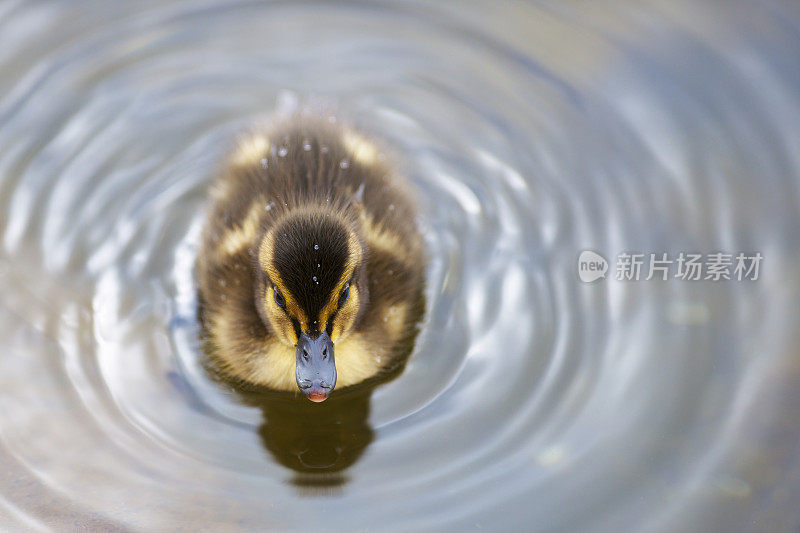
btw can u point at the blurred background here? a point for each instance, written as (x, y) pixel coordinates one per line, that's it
(534, 131)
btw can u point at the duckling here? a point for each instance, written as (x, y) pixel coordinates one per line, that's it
(311, 265)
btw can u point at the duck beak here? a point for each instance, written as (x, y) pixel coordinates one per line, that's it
(316, 371)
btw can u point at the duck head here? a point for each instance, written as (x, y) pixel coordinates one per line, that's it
(310, 290)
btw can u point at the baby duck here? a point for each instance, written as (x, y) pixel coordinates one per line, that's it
(310, 249)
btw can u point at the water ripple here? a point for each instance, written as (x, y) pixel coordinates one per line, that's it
(532, 131)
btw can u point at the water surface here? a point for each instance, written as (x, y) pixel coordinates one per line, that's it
(533, 131)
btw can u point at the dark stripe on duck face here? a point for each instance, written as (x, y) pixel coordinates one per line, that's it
(310, 254)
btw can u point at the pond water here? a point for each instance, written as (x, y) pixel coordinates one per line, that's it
(533, 131)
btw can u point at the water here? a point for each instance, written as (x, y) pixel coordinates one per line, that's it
(533, 132)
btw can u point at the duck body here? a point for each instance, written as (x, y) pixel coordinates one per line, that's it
(311, 265)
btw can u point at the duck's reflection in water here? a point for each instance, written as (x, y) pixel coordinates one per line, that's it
(317, 440)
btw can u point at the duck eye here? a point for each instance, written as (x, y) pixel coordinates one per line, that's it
(279, 299)
(345, 294)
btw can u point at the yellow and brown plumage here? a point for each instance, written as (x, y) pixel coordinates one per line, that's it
(310, 255)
